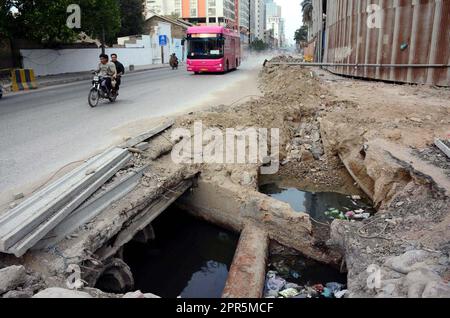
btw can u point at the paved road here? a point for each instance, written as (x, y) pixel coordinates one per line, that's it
(43, 130)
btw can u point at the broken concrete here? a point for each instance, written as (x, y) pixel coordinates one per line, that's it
(12, 277)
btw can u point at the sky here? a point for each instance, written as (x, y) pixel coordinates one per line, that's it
(291, 12)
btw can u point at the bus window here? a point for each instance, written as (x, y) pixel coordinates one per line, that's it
(205, 48)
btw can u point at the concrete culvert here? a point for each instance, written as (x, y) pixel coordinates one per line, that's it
(115, 277)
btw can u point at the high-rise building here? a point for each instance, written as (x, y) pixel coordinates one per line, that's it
(275, 22)
(258, 19)
(164, 7)
(216, 12)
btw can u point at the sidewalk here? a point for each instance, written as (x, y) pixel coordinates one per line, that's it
(51, 80)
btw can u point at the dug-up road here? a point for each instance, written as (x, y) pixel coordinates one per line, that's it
(51, 128)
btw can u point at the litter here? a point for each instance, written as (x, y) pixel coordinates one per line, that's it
(327, 293)
(274, 284)
(289, 293)
(341, 293)
(334, 287)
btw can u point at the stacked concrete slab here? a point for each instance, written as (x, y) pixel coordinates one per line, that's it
(22, 227)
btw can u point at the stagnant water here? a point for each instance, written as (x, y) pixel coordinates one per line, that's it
(314, 203)
(189, 258)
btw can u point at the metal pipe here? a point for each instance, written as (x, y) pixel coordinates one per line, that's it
(362, 65)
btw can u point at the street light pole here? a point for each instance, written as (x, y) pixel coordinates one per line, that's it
(249, 23)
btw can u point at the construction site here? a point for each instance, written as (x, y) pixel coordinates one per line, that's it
(348, 195)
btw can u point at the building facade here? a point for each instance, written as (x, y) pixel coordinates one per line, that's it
(163, 7)
(216, 12)
(258, 19)
(275, 22)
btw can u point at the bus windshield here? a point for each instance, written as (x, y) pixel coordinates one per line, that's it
(205, 48)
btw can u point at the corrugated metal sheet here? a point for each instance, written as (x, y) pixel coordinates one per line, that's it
(412, 32)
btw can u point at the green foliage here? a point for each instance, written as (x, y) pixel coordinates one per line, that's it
(258, 45)
(100, 17)
(6, 18)
(44, 21)
(132, 17)
(301, 35)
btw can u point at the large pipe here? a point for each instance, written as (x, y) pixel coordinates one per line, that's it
(360, 65)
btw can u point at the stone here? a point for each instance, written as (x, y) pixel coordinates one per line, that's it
(436, 290)
(149, 296)
(12, 277)
(317, 151)
(19, 294)
(61, 293)
(306, 155)
(19, 196)
(407, 262)
(136, 294)
(416, 281)
(246, 179)
(315, 136)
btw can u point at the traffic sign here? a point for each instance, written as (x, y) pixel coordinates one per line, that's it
(162, 40)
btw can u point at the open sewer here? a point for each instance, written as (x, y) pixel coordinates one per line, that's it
(294, 276)
(189, 258)
(319, 205)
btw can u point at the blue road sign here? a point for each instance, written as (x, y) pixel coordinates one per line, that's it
(162, 40)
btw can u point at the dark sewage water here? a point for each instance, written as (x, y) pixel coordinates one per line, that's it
(189, 258)
(314, 203)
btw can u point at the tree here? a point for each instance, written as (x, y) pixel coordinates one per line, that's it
(301, 35)
(100, 19)
(43, 21)
(6, 18)
(131, 16)
(307, 9)
(258, 45)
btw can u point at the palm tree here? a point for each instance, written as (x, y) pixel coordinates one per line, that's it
(307, 9)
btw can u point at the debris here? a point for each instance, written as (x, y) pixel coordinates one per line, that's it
(327, 293)
(61, 293)
(12, 277)
(19, 196)
(289, 293)
(274, 284)
(341, 293)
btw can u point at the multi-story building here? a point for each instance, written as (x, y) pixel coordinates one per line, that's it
(275, 22)
(258, 19)
(244, 19)
(163, 7)
(219, 12)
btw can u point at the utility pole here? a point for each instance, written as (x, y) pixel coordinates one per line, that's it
(103, 40)
(249, 23)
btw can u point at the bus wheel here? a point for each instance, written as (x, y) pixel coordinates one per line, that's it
(228, 67)
(237, 63)
(196, 73)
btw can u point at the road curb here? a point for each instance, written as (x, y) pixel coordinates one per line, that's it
(88, 77)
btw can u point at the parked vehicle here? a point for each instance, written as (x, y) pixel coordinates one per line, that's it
(213, 49)
(100, 91)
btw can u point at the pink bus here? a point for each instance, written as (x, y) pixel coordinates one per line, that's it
(213, 49)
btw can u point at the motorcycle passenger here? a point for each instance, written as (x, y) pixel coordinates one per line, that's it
(107, 70)
(120, 70)
(173, 61)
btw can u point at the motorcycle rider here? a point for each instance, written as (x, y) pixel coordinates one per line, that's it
(173, 61)
(120, 70)
(107, 70)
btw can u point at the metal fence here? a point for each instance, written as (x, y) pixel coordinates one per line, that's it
(398, 40)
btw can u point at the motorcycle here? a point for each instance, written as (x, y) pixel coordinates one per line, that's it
(99, 91)
(174, 64)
